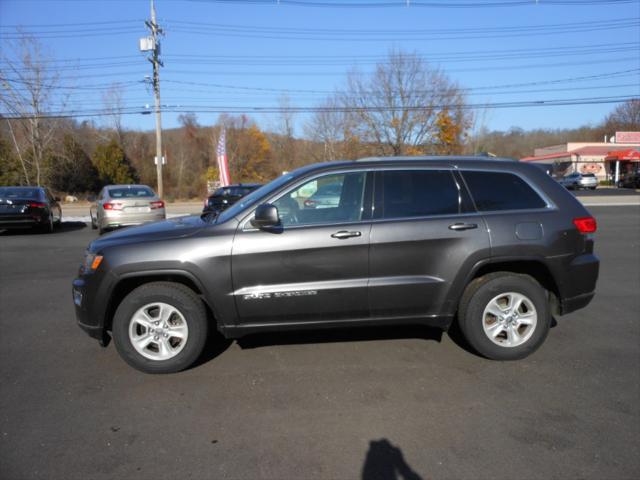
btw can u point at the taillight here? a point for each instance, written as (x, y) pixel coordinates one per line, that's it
(158, 204)
(37, 205)
(112, 206)
(585, 224)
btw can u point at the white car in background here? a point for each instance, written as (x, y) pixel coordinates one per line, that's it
(125, 205)
(577, 180)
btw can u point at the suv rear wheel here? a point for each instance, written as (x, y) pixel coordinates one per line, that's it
(160, 327)
(504, 316)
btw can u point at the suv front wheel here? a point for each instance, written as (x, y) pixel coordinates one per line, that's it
(504, 316)
(160, 327)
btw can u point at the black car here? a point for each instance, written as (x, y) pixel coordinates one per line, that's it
(224, 197)
(630, 180)
(496, 246)
(29, 207)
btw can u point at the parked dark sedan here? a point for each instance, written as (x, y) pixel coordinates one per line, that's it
(224, 197)
(29, 207)
(630, 180)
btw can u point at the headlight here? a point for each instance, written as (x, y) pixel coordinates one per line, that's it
(91, 262)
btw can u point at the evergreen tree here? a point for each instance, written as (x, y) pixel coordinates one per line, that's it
(112, 165)
(10, 172)
(72, 171)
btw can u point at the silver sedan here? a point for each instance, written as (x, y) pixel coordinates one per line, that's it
(579, 180)
(124, 205)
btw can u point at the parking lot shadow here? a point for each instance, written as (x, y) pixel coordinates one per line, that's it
(62, 228)
(215, 346)
(384, 461)
(358, 334)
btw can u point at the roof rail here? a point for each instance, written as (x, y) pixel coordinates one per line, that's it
(436, 158)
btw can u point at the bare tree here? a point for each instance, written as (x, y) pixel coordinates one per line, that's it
(29, 94)
(283, 140)
(337, 131)
(625, 116)
(397, 107)
(113, 105)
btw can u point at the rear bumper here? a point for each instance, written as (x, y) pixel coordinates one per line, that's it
(578, 284)
(25, 221)
(121, 220)
(572, 304)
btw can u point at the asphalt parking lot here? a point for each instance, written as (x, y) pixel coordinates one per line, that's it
(379, 403)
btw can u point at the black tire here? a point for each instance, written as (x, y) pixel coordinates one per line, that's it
(480, 292)
(94, 226)
(176, 295)
(48, 226)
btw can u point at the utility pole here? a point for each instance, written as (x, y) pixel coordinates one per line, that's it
(153, 45)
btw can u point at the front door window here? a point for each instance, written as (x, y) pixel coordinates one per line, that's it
(335, 198)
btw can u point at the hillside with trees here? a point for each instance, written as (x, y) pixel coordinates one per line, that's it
(405, 107)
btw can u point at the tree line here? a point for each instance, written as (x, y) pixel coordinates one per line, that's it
(405, 107)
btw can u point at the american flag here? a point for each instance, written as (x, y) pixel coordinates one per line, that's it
(221, 153)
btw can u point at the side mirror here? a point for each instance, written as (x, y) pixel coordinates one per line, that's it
(266, 216)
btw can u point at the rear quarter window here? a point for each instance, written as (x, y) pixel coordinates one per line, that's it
(494, 191)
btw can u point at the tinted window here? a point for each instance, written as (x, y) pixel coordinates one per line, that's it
(501, 191)
(131, 192)
(21, 192)
(416, 193)
(341, 200)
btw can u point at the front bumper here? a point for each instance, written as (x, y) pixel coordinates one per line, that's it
(89, 298)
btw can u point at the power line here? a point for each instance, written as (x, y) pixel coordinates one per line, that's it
(545, 27)
(453, 57)
(346, 109)
(419, 3)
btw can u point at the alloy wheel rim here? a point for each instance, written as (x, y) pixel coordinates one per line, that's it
(509, 319)
(158, 331)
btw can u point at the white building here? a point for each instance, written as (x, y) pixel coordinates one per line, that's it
(607, 160)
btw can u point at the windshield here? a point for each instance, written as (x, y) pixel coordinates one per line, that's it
(253, 197)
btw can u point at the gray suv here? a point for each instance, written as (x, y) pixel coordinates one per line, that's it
(496, 246)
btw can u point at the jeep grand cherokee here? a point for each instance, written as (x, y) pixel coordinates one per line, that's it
(495, 245)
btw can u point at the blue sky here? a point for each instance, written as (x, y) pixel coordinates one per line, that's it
(248, 54)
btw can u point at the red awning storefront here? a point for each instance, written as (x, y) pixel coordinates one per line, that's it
(629, 154)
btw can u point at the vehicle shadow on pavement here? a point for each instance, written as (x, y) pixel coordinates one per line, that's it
(384, 461)
(361, 334)
(216, 345)
(62, 228)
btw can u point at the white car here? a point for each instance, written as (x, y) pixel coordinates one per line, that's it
(577, 180)
(125, 205)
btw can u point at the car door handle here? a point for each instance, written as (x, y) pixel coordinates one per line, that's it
(462, 226)
(342, 234)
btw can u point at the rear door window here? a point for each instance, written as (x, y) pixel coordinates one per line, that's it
(494, 191)
(416, 193)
